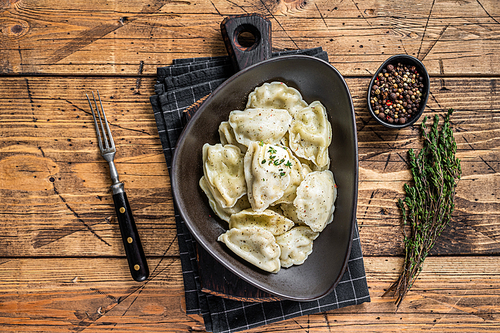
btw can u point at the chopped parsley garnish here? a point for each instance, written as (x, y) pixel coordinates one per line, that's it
(272, 160)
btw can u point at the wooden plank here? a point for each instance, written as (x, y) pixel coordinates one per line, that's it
(383, 156)
(57, 37)
(54, 183)
(76, 294)
(452, 294)
(54, 179)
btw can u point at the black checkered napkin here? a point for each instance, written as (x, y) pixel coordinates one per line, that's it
(178, 87)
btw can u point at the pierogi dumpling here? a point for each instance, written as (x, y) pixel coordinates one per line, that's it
(270, 220)
(310, 134)
(260, 125)
(296, 245)
(296, 177)
(224, 213)
(315, 201)
(226, 135)
(276, 95)
(254, 244)
(224, 172)
(267, 174)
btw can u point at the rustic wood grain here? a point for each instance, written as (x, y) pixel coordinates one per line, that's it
(62, 267)
(452, 294)
(54, 182)
(59, 37)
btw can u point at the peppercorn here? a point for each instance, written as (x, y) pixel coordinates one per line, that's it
(396, 93)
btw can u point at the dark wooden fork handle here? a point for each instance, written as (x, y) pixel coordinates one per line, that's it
(131, 241)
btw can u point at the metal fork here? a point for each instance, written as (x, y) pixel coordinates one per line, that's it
(131, 241)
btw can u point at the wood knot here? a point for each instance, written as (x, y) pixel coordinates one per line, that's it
(285, 7)
(11, 28)
(16, 29)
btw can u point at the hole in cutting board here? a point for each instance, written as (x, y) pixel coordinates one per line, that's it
(247, 37)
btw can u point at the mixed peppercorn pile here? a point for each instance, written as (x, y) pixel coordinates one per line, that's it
(396, 93)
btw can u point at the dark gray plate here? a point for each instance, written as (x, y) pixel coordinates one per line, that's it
(316, 80)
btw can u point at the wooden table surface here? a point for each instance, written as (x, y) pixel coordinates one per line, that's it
(62, 266)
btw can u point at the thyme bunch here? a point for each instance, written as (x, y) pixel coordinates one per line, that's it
(429, 203)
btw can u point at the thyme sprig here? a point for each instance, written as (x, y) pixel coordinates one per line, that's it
(429, 203)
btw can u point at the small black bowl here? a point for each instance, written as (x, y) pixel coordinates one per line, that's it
(420, 68)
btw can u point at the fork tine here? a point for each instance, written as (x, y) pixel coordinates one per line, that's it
(112, 143)
(104, 133)
(95, 122)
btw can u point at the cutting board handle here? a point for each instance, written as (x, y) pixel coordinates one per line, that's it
(257, 45)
